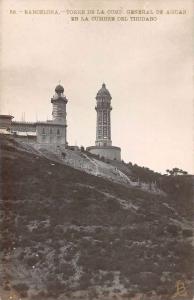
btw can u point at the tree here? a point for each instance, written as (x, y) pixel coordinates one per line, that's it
(176, 172)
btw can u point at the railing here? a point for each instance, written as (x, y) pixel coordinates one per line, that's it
(23, 123)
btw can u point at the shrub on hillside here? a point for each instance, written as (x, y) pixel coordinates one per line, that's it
(187, 233)
(22, 289)
(173, 229)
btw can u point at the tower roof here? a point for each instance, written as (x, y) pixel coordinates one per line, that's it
(59, 96)
(103, 92)
(59, 89)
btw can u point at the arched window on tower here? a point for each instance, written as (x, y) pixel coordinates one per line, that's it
(58, 131)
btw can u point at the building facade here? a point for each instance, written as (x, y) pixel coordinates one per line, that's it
(43, 132)
(54, 132)
(103, 145)
(5, 123)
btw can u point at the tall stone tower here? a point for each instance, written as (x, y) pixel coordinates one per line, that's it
(59, 102)
(103, 145)
(103, 125)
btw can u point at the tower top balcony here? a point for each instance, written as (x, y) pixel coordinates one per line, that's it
(103, 105)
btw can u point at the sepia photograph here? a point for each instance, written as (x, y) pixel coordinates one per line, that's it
(96, 150)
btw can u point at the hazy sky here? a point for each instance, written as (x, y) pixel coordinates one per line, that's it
(147, 67)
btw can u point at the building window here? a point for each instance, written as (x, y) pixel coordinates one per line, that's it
(51, 131)
(58, 132)
(43, 130)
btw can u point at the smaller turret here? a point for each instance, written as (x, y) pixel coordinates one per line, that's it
(59, 102)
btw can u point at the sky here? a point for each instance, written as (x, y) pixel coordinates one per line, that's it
(147, 68)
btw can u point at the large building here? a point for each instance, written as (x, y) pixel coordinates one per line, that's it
(103, 145)
(54, 132)
(42, 132)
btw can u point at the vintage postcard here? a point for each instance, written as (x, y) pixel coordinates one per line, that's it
(96, 150)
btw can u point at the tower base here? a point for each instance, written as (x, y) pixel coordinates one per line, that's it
(109, 152)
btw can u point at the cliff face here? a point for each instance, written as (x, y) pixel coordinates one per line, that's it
(65, 233)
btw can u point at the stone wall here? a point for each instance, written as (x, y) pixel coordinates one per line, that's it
(5, 122)
(109, 152)
(25, 138)
(50, 133)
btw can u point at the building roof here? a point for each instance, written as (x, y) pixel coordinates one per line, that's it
(103, 92)
(6, 117)
(48, 123)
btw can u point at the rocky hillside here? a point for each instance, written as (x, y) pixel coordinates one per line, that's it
(66, 234)
(115, 171)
